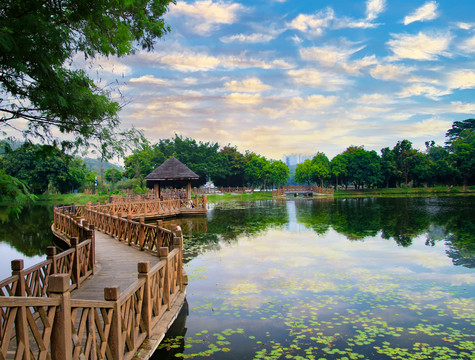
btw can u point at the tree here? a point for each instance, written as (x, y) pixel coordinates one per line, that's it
(43, 167)
(363, 167)
(457, 128)
(13, 196)
(113, 175)
(38, 40)
(278, 172)
(234, 173)
(254, 170)
(320, 168)
(402, 152)
(463, 155)
(303, 172)
(338, 167)
(388, 167)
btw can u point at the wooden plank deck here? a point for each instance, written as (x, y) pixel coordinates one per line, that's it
(116, 265)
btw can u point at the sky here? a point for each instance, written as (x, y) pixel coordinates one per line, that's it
(279, 77)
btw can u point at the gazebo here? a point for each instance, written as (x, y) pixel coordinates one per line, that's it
(171, 170)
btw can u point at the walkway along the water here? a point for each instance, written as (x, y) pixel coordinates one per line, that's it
(66, 308)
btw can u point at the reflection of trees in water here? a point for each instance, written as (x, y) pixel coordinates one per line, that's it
(401, 219)
(30, 233)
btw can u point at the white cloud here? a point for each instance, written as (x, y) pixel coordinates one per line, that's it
(428, 11)
(244, 99)
(374, 99)
(331, 56)
(313, 24)
(247, 85)
(148, 79)
(374, 8)
(251, 38)
(420, 46)
(301, 124)
(390, 72)
(312, 102)
(327, 55)
(315, 78)
(422, 90)
(465, 26)
(186, 60)
(205, 16)
(461, 79)
(459, 107)
(468, 45)
(424, 128)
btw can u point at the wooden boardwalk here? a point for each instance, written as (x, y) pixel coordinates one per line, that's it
(112, 295)
(116, 265)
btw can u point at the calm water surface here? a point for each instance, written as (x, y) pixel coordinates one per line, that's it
(329, 279)
(26, 237)
(314, 279)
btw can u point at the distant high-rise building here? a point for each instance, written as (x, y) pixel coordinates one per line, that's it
(294, 159)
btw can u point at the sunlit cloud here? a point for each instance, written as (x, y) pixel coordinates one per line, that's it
(374, 8)
(313, 24)
(147, 79)
(247, 85)
(312, 102)
(301, 124)
(205, 16)
(374, 99)
(423, 128)
(390, 72)
(468, 45)
(430, 92)
(315, 78)
(250, 38)
(419, 47)
(462, 79)
(464, 108)
(190, 61)
(426, 12)
(245, 99)
(327, 55)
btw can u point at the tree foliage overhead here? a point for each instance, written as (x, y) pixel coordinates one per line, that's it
(39, 38)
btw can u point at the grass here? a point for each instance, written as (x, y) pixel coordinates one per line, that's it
(429, 191)
(214, 198)
(80, 199)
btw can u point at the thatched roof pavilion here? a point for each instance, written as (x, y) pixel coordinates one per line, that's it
(170, 171)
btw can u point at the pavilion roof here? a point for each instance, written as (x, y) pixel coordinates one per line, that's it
(172, 169)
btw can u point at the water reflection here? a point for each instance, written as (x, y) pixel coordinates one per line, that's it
(401, 220)
(332, 279)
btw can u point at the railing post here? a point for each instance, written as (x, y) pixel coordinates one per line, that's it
(21, 321)
(178, 243)
(144, 272)
(112, 293)
(61, 336)
(51, 255)
(129, 228)
(205, 200)
(76, 268)
(166, 282)
(92, 257)
(141, 232)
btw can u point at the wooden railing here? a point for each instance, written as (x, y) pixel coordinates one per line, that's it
(39, 320)
(295, 188)
(60, 328)
(223, 190)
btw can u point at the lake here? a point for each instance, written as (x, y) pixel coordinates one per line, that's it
(372, 278)
(367, 278)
